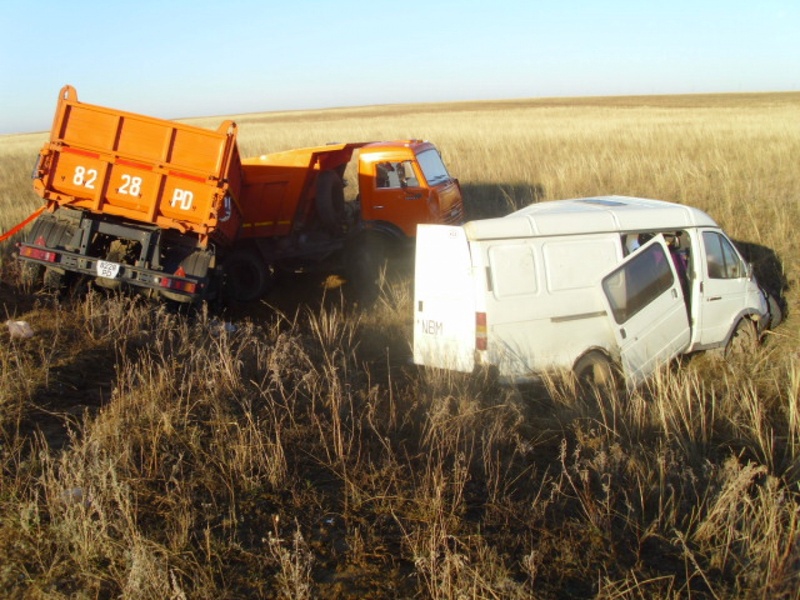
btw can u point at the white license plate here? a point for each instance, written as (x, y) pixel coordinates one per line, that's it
(106, 269)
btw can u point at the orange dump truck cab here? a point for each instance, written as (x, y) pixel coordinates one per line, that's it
(295, 215)
(400, 185)
(405, 183)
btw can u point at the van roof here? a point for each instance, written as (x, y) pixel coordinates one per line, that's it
(598, 214)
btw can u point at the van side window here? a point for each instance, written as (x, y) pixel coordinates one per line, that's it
(722, 260)
(638, 282)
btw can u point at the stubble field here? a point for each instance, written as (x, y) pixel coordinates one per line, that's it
(296, 453)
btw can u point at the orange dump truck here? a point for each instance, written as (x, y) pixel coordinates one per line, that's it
(172, 209)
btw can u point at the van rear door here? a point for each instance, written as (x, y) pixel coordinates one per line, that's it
(647, 310)
(444, 299)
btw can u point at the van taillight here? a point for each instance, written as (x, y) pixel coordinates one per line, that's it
(480, 331)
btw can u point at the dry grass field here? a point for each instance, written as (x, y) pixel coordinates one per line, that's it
(298, 454)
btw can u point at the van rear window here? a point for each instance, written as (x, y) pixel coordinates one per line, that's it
(638, 282)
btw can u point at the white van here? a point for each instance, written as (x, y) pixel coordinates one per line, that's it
(597, 285)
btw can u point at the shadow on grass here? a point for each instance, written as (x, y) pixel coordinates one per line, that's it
(768, 269)
(483, 201)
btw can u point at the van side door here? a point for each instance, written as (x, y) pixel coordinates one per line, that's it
(647, 310)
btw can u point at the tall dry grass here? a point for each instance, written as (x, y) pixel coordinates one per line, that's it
(296, 453)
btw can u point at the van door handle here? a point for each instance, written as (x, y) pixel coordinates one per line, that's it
(715, 298)
(378, 206)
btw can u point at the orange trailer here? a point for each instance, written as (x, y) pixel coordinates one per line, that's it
(142, 169)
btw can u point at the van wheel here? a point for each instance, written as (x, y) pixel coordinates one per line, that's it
(775, 311)
(743, 341)
(594, 370)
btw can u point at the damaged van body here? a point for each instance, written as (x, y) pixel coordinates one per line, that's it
(599, 286)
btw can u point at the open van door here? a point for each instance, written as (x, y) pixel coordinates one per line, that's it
(647, 310)
(444, 299)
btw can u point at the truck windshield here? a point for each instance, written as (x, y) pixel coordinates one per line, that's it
(432, 167)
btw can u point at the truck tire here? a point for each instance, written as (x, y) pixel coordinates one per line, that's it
(595, 371)
(30, 274)
(54, 279)
(365, 259)
(329, 201)
(247, 277)
(197, 265)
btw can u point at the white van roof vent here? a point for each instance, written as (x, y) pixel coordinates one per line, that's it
(602, 201)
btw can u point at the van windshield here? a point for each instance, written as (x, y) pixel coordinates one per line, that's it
(432, 167)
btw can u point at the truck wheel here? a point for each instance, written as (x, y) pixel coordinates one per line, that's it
(196, 265)
(595, 371)
(743, 341)
(329, 202)
(54, 280)
(365, 258)
(247, 277)
(30, 274)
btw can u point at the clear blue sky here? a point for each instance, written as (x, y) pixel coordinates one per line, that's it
(186, 58)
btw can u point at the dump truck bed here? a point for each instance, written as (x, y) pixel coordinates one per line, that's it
(279, 188)
(143, 169)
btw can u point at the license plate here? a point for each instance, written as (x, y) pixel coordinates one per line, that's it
(106, 269)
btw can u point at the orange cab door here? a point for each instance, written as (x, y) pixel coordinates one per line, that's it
(394, 191)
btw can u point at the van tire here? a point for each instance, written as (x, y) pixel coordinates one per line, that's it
(775, 311)
(595, 370)
(743, 341)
